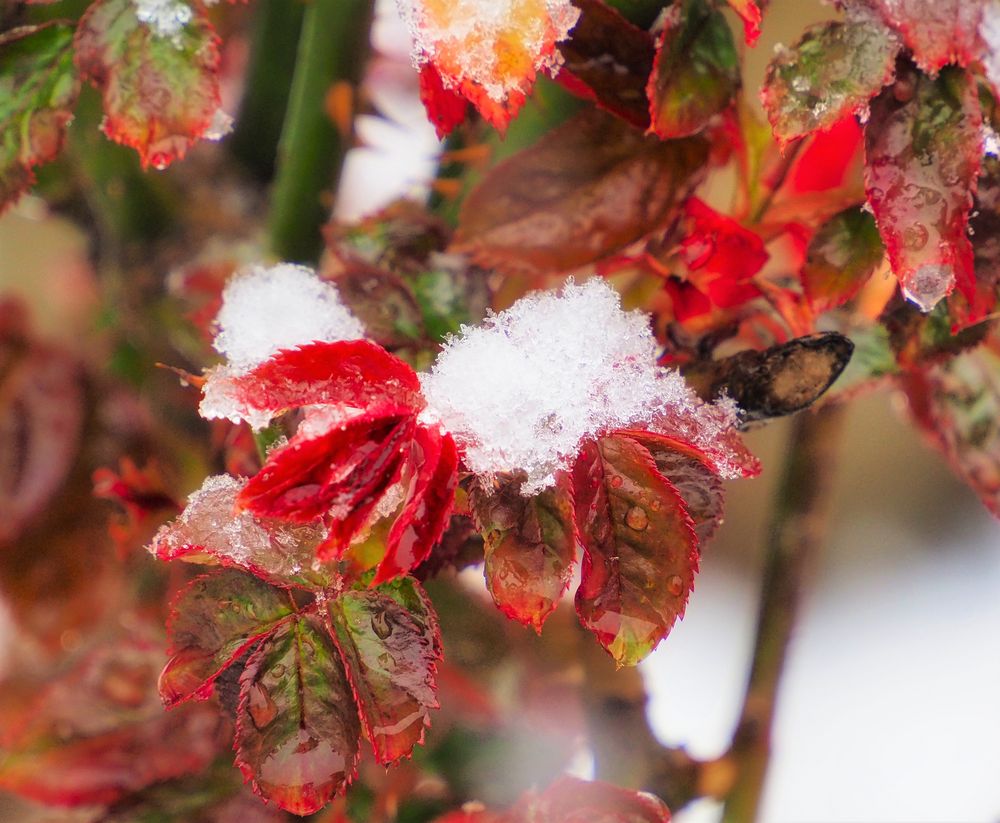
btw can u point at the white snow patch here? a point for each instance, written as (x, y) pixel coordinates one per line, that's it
(523, 391)
(220, 125)
(166, 18)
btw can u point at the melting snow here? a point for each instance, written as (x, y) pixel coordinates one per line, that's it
(522, 391)
(167, 18)
(989, 31)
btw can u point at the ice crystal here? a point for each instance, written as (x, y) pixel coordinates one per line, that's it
(166, 18)
(521, 392)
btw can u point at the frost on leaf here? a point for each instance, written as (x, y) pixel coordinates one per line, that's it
(696, 72)
(957, 403)
(297, 730)
(38, 89)
(833, 71)
(160, 93)
(984, 226)
(640, 550)
(489, 51)
(922, 156)
(213, 621)
(938, 32)
(841, 257)
(391, 653)
(582, 192)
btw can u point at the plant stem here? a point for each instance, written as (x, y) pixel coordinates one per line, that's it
(797, 532)
(332, 49)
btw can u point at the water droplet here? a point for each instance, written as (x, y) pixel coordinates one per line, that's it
(616, 481)
(261, 707)
(675, 586)
(928, 285)
(636, 519)
(915, 236)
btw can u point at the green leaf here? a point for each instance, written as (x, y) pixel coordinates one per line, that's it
(212, 622)
(450, 297)
(160, 91)
(38, 89)
(640, 550)
(297, 730)
(530, 547)
(383, 302)
(833, 71)
(390, 643)
(841, 257)
(696, 72)
(583, 191)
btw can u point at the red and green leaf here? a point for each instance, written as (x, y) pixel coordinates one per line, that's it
(833, 71)
(213, 621)
(984, 226)
(841, 257)
(160, 92)
(696, 73)
(640, 550)
(38, 89)
(297, 729)
(530, 545)
(922, 156)
(938, 32)
(581, 193)
(391, 655)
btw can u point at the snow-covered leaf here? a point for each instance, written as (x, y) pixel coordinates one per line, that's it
(696, 72)
(938, 32)
(38, 89)
(841, 257)
(161, 90)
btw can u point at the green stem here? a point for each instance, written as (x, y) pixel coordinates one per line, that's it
(797, 532)
(332, 49)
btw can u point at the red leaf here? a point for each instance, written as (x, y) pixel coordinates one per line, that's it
(530, 548)
(160, 91)
(922, 155)
(717, 244)
(428, 506)
(937, 31)
(828, 157)
(445, 107)
(390, 644)
(749, 11)
(640, 549)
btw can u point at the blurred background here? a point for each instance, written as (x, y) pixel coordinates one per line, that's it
(890, 705)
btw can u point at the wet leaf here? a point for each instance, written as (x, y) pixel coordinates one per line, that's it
(831, 72)
(580, 193)
(608, 59)
(938, 32)
(841, 257)
(391, 656)
(530, 547)
(213, 621)
(957, 403)
(984, 226)
(430, 498)
(696, 73)
(297, 730)
(640, 550)
(922, 157)
(38, 89)
(160, 91)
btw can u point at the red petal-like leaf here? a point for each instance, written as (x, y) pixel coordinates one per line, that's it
(640, 550)
(922, 155)
(938, 32)
(605, 187)
(391, 652)
(530, 548)
(831, 72)
(297, 730)
(40, 90)
(719, 245)
(957, 402)
(429, 503)
(828, 158)
(608, 59)
(446, 108)
(160, 91)
(696, 73)
(841, 257)
(749, 11)
(213, 621)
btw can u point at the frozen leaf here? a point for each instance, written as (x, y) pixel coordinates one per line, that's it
(213, 621)
(582, 192)
(530, 548)
(640, 550)
(609, 60)
(957, 402)
(391, 656)
(833, 71)
(446, 108)
(212, 530)
(696, 73)
(938, 32)
(489, 52)
(38, 89)
(433, 462)
(749, 11)
(841, 257)
(922, 156)
(297, 730)
(160, 92)
(984, 226)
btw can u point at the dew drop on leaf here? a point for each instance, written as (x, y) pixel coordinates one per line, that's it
(675, 586)
(636, 519)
